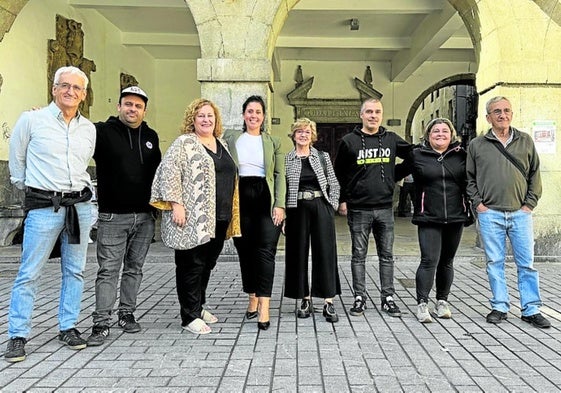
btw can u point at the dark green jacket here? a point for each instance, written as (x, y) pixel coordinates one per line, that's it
(494, 181)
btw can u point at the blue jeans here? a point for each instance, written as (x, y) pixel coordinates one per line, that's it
(380, 222)
(495, 226)
(42, 227)
(122, 241)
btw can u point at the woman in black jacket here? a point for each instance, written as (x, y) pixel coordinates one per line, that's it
(438, 168)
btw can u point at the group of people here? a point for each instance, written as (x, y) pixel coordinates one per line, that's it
(213, 184)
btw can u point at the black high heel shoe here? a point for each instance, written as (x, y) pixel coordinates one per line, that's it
(251, 314)
(263, 325)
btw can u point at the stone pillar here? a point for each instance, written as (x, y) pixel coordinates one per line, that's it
(228, 82)
(519, 59)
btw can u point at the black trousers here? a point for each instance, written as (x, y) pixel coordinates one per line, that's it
(312, 222)
(192, 273)
(257, 247)
(438, 244)
(406, 198)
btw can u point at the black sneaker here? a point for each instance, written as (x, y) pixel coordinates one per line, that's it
(496, 316)
(305, 309)
(98, 336)
(358, 307)
(128, 323)
(329, 313)
(71, 337)
(389, 306)
(537, 320)
(15, 352)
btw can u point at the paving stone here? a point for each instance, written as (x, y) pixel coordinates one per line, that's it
(372, 353)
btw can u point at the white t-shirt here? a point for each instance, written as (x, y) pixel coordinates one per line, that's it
(250, 155)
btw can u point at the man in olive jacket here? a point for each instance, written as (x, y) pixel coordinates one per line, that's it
(504, 196)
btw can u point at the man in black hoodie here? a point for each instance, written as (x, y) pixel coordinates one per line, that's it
(127, 154)
(365, 169)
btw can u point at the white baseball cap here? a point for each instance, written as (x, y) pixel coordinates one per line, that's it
(135, 90)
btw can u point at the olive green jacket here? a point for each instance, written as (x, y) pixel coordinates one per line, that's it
(494, 181)
(273, 158)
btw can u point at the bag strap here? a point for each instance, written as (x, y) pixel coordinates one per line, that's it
(511, 158)
(323, 163)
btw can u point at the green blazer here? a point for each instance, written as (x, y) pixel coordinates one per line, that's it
(274, 164)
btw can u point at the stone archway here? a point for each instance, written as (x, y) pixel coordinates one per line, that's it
(466, 79)
(9, 10)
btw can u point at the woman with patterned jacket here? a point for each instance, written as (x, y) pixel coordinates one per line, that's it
(312, 198)
(196, 187)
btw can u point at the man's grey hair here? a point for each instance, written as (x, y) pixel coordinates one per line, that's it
(494, 100)
(71, 70)
(373, 100)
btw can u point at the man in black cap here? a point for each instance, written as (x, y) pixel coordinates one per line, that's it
(127, 154)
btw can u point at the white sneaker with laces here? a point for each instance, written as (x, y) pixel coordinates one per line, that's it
(443, 310)
(423, 314)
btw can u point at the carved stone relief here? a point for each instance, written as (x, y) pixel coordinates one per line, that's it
(327, 110)
(127, 81)
(68, 50)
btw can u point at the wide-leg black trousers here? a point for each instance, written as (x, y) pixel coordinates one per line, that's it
(311, 223)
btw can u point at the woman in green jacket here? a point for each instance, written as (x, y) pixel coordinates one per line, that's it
(262, 201)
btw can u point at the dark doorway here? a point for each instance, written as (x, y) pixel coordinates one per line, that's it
(329, 135)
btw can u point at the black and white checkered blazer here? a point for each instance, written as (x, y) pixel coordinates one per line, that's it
(293, 167)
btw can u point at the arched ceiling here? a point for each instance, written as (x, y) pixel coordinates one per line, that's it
(404, 32)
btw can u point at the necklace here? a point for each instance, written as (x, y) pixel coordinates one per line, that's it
(210, 143)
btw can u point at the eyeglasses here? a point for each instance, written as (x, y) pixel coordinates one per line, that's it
(497, 112)
(68, 86)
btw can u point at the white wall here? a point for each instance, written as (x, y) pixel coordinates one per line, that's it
(176, 87)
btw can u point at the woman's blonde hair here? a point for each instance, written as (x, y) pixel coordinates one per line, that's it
(194, 107)
(303, 123)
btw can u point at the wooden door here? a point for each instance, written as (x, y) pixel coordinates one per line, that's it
(329, 136)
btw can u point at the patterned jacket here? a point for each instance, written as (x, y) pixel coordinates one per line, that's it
(186, 176)
(293, 168)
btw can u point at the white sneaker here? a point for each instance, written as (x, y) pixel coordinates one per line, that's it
(443, 310)
(423, 314)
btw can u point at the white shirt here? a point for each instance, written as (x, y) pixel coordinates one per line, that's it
(48, 154)
(250, 155)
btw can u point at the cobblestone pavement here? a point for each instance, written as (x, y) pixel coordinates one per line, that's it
(371, 353)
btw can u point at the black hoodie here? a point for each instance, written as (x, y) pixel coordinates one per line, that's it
(365, 168)
(126, 160)
(440, 183)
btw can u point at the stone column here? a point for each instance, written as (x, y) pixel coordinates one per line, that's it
(228, 82)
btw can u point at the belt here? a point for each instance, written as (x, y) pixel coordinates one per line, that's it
(309, 195)
(62, 194)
